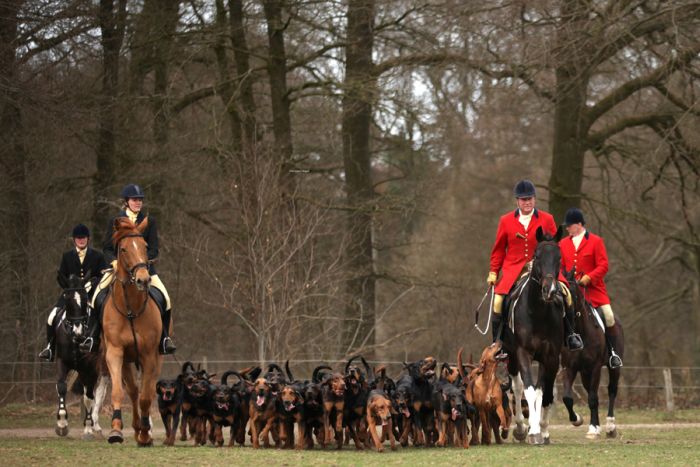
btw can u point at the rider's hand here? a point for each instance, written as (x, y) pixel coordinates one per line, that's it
(585, 280)
(491, 280)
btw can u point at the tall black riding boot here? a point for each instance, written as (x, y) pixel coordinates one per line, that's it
(92, 339)
(573, 340)
(615, 361)
(496, 325)
(167, 346)
(49, 353)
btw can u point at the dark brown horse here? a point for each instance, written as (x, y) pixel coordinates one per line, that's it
(589, 363)
(538, 334)
(132, 327)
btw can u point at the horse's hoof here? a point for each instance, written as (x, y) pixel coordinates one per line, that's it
(536, 439)
(504, 434)
(611, 434)
(147, 444)
(578, 421)
(519, 434)
(592, 435)
(115, 436)
(62, 430)
(547, 441)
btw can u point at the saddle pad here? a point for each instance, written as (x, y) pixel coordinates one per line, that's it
(597, 316)
(157, 297)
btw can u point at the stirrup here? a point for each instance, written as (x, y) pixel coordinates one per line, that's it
(46, 354)
(86, 345)
(167, 347)
(614, 361)
(574, 342)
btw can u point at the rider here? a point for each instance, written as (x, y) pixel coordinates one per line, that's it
(586, 251)
(133, 202)
(82, 261)
(514, 249)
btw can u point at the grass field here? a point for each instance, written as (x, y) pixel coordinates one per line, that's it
(638, 444)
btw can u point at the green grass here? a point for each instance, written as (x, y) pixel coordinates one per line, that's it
(634, 447)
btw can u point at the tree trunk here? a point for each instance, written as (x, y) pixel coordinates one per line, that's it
(277, 70)
(241, 54)
(14, 214)
(356, 120)
(112, 28)
(570, 125)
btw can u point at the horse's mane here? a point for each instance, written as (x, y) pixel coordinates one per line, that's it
(123, 227)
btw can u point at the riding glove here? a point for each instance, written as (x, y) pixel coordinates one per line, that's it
(491, 280)
(585, 280)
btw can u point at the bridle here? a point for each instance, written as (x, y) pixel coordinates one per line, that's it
(137, 266)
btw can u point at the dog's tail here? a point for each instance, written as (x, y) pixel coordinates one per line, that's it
(224, 377)
(187, 365)
(289, 373)
(275, 367)
(460, 367)
(315, 377)
(370, 375)
(251, 373)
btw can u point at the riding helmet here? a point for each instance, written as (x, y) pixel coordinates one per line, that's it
(574, 216)
(524, 189)
(132, 191)
(80, 231)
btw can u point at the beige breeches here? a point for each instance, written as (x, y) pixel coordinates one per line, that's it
(608, 315)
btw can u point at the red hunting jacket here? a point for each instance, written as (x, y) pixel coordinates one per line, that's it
(590, 259)
(515, 246)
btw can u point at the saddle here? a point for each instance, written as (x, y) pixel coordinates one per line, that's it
(153, 292)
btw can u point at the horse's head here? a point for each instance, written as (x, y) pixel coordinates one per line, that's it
(131, 249)
(546, 263)
(76, 301)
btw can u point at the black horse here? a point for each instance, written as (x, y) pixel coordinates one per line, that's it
(589, 363)
(538, 334)
(71, 328)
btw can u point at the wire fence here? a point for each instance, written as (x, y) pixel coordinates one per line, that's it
(656, 387)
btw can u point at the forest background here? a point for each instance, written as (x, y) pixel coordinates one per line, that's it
(327, 176)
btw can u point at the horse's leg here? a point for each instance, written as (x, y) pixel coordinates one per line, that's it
(613, 381)
(100, 393)
(533, 395)
(133, 391)
(115, 361)
(519, 433)
(548, 375)
(568, 399)
(89, 402)
(590, 383)
(149, 375)
(61, 389)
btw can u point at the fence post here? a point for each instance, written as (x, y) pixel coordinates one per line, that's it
(668, 386)
(204, 363)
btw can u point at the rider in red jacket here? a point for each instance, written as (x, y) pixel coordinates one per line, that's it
(586, 251)
(514, 248)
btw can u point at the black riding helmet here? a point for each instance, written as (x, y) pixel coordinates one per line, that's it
(80, 231)
(132, 191)
(524, 189)
(574, 216)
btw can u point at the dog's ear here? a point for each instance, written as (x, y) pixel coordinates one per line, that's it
(159, 386)
(480, 369)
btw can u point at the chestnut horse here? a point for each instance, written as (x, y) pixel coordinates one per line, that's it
(131, 327)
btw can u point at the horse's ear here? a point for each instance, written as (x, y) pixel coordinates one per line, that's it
(539, 235)
(143, 225)
(560, 234)
(62, 280)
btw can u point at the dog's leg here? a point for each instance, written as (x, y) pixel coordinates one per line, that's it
(254, 434)
(302, 434)
(485, 425)
(165, 416)
(373, 432)
(266, 431)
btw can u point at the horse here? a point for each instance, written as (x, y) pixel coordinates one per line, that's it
(90, 383)
(538, 334)
(131, 327)
(589, 362)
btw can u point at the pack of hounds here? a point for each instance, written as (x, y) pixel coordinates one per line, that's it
(423, 406)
